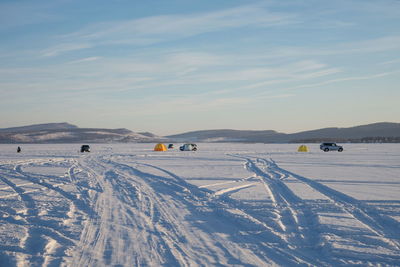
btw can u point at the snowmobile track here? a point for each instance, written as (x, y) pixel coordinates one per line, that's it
(379, 224)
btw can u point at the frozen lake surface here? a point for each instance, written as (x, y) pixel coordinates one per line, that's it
(223, 205)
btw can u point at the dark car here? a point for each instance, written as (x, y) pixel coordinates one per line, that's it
(85, 148)
(330, 146)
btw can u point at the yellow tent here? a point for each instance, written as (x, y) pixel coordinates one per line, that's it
(160, 147)
(302, 148)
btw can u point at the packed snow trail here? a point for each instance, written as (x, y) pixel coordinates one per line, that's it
(123, 208)
(384, 227)
(381, 225)
(158, 220)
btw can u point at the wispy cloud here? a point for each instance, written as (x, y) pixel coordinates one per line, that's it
(253, 78)
(21, 13)
(346, 79)
(390, 62)
(86, 59)
(381, 44)
(156, 29)
(172, 73)
(386, 43)
(184, 25)
(62, 48)
(185, 104)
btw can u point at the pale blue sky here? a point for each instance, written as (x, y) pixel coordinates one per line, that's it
(174, 66)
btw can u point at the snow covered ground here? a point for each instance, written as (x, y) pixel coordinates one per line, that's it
(224, 205)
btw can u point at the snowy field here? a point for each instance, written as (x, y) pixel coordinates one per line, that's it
(224, 205)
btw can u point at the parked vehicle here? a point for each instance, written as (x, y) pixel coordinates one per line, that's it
(330, 147)
(188, 147)
(85, 148)
(170, 146)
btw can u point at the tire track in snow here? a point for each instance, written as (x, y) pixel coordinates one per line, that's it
(39, 179)
(28, 191)
(233, 209)
(19, 185)
(79, 184)
(169, 233)
(195, 200)
(86, 252)
(382, 225)
(122, 221)
(104, 233)
(35, 244)
(355, 208)
(296, 220)
(85, 191)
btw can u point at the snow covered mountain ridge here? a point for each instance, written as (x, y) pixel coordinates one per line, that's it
(68, 133)
(377, 132)
(385, 132)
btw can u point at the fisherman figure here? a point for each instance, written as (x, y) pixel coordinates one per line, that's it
(18, 149)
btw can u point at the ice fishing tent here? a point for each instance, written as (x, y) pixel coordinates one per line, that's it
(160, 147)
(302, 148)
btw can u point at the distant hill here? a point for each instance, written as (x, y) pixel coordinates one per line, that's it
(226, 135)
(148, 134)
(39, 127)
(68, 133)
(376, 132)
(355, 134)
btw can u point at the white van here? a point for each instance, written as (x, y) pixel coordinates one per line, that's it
(188, 147)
